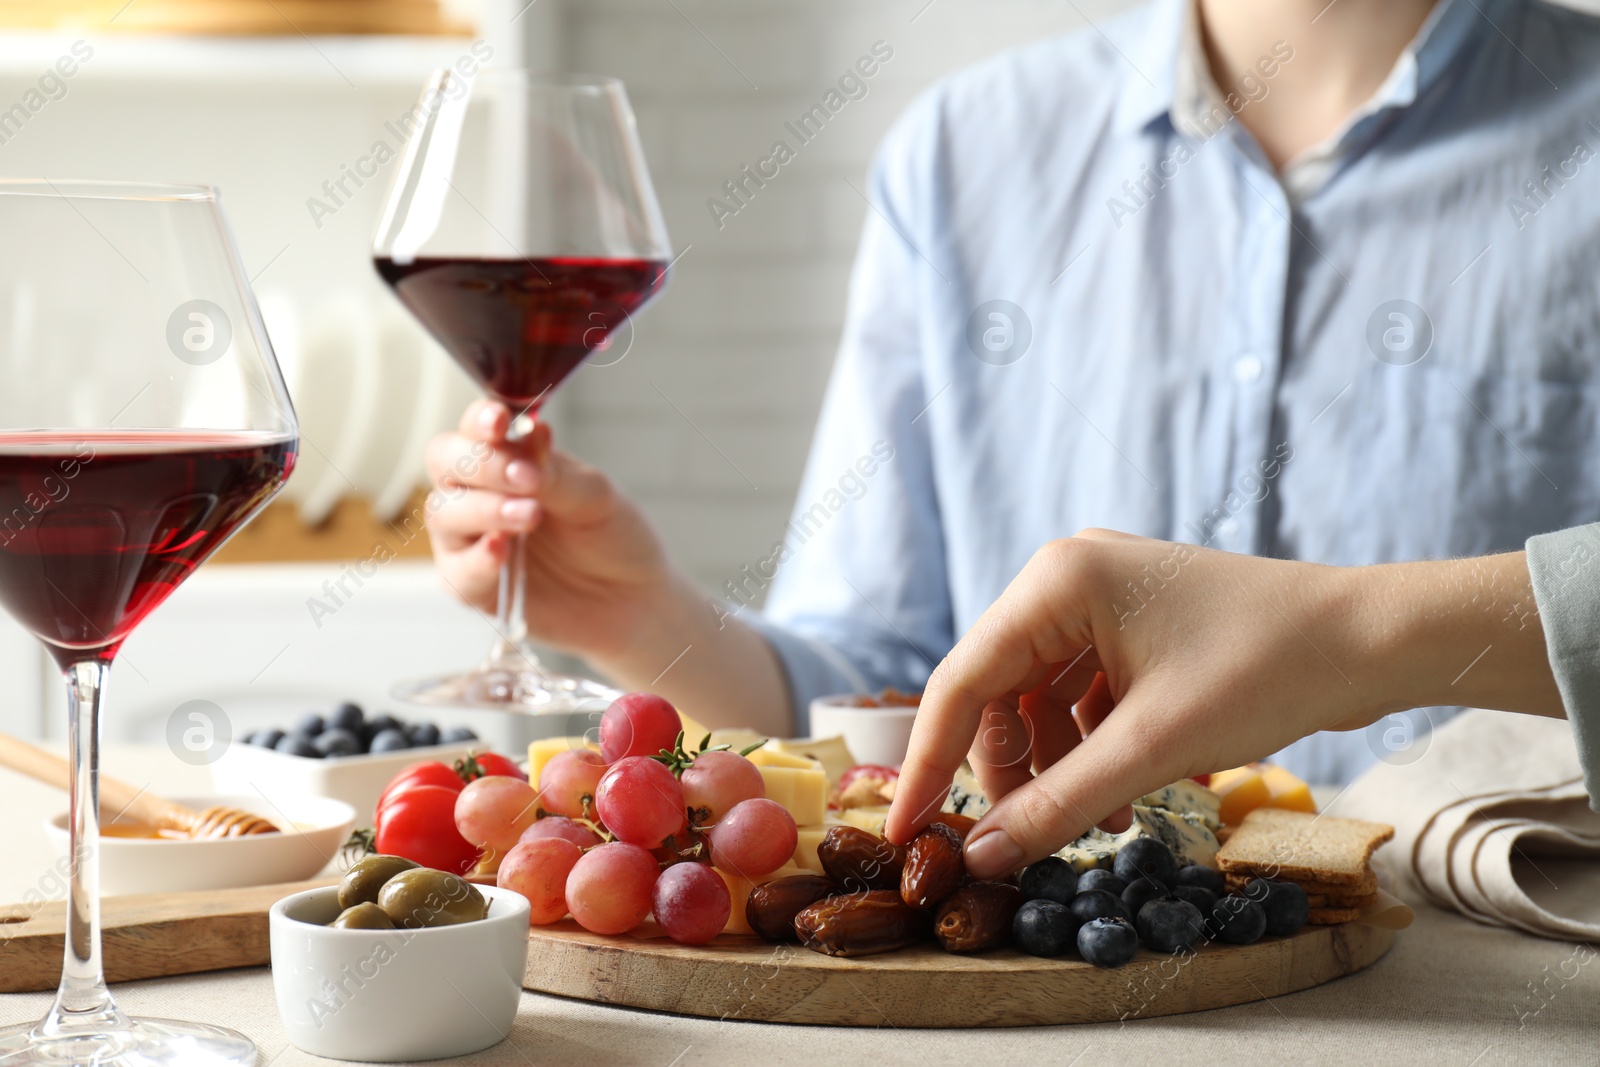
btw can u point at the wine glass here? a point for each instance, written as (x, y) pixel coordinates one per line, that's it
(142, 421)
(522, 260)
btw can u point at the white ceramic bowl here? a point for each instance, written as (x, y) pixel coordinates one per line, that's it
(356, 780)
(875, 735)
(148, 865)
(386, 996)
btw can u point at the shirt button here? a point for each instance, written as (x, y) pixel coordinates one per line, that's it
(1247, 368)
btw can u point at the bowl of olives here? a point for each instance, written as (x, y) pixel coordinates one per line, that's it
(398, 962)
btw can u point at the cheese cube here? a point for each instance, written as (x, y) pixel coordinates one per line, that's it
(869, 819)
(805, 853)
(693, 731)
(543, 750)
(802, 790)
(831, 752)
(771, 757)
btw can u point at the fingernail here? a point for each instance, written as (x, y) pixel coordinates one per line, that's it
(488, 417)
(517, 512)
(522, 474)
(992, 854)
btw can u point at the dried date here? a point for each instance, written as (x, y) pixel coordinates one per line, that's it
(934, 868)
(978, 918)
(860, 860)
(772, 907)
(860, 924)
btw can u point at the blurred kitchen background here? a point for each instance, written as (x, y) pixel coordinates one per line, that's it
(706, 420)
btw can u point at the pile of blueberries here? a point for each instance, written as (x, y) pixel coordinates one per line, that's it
(346, 731)
(1147, 897)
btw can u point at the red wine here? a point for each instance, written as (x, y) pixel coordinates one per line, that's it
(97, 527)
(519, 326)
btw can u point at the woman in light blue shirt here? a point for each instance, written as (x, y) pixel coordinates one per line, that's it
(1278, 277)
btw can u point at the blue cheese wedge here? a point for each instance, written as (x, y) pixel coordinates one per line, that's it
(1187, 797)
(966, 795)
(1186, 833)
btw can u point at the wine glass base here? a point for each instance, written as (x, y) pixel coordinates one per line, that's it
(137, 1043)
(525, 691)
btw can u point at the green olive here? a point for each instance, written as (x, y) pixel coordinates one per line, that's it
(426, 897)
(365, 916)
(361, 883)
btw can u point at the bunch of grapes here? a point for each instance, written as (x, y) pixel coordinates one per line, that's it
(641, 827)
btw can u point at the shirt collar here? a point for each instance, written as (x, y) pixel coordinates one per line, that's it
(1170, 77)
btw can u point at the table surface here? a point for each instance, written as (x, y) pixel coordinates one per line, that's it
(1449, 992)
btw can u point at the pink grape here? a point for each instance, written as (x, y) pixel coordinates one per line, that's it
(692, 903)
(492, 812)
(567, 779)
(638, 724)
(755, 838)
(539, 870)
(563, 829)
(640, 801)
(716, 781)
(609, 890)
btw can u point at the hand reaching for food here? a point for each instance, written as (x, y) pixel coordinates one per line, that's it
(1113, 665)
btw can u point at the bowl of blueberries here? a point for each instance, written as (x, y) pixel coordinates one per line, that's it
(342, 753)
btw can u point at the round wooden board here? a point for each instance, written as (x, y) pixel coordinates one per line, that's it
(924, 986)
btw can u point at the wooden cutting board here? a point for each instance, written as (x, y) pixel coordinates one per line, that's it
(924, 986)
(733, 977)
(144, 936)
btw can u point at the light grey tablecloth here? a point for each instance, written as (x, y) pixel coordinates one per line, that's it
(1449, 992)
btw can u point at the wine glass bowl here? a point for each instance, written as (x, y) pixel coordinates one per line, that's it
(521, 260)
(143, 420)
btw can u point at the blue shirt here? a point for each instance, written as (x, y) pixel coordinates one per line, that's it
(1074, 306)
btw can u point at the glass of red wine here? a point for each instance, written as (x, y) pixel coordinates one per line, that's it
(142, 421)
(524, 256)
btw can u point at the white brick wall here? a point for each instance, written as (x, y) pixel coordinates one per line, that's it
(744, 336)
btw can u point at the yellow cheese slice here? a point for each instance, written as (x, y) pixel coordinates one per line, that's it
(870, 819)
(771, 757)
(543, 750)
(739, 894)
(805, 853)
(802, 790)
(1287, 790)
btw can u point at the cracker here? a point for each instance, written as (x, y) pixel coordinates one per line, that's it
(1339, 900)
(1297, 846)
(1237, 880)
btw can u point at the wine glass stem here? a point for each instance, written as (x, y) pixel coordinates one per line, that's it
(83, 1001)
(513, 622)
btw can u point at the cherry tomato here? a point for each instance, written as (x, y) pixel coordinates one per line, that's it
(490, 764)
(429, 773)
(420, 824)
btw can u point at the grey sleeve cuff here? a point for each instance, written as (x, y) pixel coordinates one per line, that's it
(1565, 567)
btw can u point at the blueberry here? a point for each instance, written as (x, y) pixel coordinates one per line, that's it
(1284, 902)
(1140, 892)
(1101, 878)
(1170, 925)
(380, 722)
(390, 740)
(457, 734)
(1097, 904)
(1236, 920)
(268, 738)
(1044, 928)
(422, 734)
(310, 724)
(337, 741)
(1204, 877)
(1145, 857)
(1107, 942)
(1204, 899)
(298, 744)
(347, 716)
(1052, 878)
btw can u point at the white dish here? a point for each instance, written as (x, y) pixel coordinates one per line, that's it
(874, 735)
(148, 865)
(356, 780)
(388, 996)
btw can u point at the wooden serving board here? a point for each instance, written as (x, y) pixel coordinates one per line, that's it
(924, 986)
(144, 936)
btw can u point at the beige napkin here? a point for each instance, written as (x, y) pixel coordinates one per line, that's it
(1493, 821)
